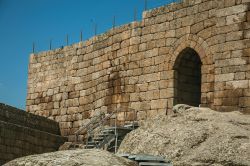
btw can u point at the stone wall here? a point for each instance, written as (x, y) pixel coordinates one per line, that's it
(137, 65)
(22, 134)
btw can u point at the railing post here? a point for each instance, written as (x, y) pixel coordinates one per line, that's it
(145, 5)
(135, 14)
(125, 117)
(81, 35)
(75, 140)
(33, 47)
(95, 29)
(133, 119)
(67, 40)
(113, 26)
(50, 44)
(116, 135)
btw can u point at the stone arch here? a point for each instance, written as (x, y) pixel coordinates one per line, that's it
(190, 41)
(187, 72)
(201, 49)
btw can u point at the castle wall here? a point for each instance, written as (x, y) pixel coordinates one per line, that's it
(134, 66)
(22, 134)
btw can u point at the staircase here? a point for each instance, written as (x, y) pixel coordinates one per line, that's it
(110, 137)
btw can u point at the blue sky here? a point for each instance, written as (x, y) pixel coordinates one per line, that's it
(25, 21)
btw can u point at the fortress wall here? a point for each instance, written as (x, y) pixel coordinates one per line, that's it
(13, 115)
(138, 66)
(23, 134)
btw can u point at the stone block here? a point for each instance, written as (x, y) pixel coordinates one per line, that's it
(141, 115)
(136, 105)
(244, 102)
(125, 43)
(153, 86)
(123, 51)
(158, 104)
(133, 49)
(233, 19)
(50, 92)
(170, 34)
(152, 95)
(166, 93)
(135, 40)
(151, 53)
(232, 10)
(224, 77)
(197, 27)
(146, 38)
(237, 84)
(246, 92)
(134, 97)
(151, 114)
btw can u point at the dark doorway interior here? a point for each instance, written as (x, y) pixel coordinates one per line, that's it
(188, 78)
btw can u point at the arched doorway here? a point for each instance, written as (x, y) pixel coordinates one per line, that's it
(187, 71)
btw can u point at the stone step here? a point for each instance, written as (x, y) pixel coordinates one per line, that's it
(103, 135)
(89, 146)
(143, 157)
(154, 164)
(99, 139)
(108, 131)
(132, 157)
(125, 155)
(131, 125)
(91, 143)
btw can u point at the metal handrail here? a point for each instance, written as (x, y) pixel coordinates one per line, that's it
(90, 128)
(86, 127)
(102, 121)
(88, 124)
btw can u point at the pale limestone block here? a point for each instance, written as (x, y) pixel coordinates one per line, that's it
(135, 40)
(232, 10)
(50, 92)
(233, 19)
(136, 105)
(72, 110)
(158, 104)
(224, 77)
(238, 84)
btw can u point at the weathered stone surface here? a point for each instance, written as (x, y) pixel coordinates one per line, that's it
(194, 136)
(22, 134)
(80, 157)
(187, 52)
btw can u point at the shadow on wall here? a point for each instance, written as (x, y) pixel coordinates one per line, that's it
(116, 97)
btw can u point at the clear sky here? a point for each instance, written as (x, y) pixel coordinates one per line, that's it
(25, 21)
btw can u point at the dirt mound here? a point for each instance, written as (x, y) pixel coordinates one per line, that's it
(194, 136)
(80, 157)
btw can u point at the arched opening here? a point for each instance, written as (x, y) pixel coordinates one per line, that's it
(187, 70)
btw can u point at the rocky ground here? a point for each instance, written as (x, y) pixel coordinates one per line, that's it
(194, 136)
(79, 157)
(188, 136)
